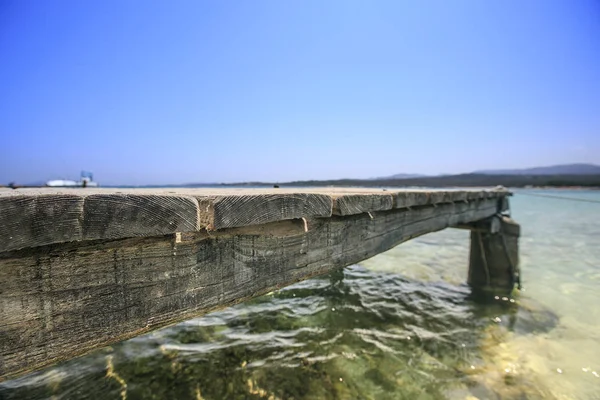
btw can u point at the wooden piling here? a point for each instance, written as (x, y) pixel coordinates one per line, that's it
(494, 255)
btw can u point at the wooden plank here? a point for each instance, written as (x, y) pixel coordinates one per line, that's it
(119, 215)
(30, 221)
(417, 198)
(229, 211)
(405, 199)
(60, 301)
(38, 217)
(350, 204)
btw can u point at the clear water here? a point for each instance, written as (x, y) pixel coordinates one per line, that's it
(402, 325)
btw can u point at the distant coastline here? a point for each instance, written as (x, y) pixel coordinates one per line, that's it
(567, 182)
(463, 180)
(567, 176)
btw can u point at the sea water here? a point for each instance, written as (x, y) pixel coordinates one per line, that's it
(401, 325)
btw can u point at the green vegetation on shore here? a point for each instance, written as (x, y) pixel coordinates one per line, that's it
(463, 180)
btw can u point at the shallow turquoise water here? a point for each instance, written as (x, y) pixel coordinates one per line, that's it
(402, 325)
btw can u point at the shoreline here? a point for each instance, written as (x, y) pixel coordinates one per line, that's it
(285, 186)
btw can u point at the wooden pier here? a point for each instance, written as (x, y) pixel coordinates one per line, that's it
(84, 268)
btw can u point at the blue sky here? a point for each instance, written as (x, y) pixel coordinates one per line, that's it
(144, 92)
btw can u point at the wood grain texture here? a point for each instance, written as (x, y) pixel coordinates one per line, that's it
(254, 209)
(416, 198)
(115, 216)
(350, 204)
(30, 221)
(60, 301)
(38, 217)
(409, 199)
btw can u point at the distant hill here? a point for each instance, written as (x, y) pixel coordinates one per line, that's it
(555, 170)
(583, 175)
(568, 169)
(400, 176)
(463, 180)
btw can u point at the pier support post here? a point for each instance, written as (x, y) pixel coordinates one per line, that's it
(494, 256)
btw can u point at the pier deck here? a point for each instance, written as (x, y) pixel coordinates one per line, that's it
(84, 268)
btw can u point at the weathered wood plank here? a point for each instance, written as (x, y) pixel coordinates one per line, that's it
(403, 199)
(230, 211)
(38, 217)
(350, 204)
(29, 221)
(494, 255)
(60, 301)
(118, 215)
